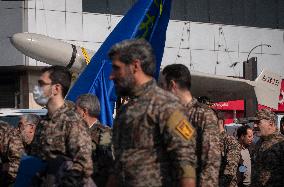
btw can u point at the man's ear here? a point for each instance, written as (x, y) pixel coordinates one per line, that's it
(136, 65)
(85, 112)
(272, 124)
(173, 85)
(57, 89)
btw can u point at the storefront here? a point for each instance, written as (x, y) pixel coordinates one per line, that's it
(235, 109)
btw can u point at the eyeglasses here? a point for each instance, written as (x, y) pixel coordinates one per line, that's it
(41, 83)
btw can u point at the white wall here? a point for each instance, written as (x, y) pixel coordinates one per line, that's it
(198, 45)
(201, 46)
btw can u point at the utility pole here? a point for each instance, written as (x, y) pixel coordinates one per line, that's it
(250, 73)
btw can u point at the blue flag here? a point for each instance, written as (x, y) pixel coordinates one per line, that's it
(146, 19)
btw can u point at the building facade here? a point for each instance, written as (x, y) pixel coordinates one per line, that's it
(210, 36)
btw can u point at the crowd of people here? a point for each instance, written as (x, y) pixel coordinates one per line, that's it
(162, 135)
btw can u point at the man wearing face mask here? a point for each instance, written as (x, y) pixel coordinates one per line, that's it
(62, 136)
(268, 154)
(88, 106)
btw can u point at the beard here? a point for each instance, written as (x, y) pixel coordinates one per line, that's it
(26, 139)
(125, 85)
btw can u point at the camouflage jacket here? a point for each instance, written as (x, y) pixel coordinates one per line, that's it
(11, 151)
(231, 153)
(4, 128)
(268, 161)
(101, 152)
(207, 143)
(154, 144)
(64, 135)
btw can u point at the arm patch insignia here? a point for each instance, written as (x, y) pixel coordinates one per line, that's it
(185, 129)
(179, 125)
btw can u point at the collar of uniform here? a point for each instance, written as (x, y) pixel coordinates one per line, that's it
(140, 90)
(97, 126)
(96, 123)
(58, 112)
(191, 103)
(269, 137)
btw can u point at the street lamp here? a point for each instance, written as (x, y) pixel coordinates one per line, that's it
(256, 47)
(250, 73)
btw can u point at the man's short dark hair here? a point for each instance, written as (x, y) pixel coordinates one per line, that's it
(59, 75)
(135, 49)
(242, 130)
(178, 73)
(91, 103)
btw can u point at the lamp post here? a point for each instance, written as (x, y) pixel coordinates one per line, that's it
(256, 47)
(250, 73)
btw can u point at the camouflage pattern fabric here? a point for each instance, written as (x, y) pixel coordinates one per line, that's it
(154, 144)
(268, 161)
(67, 165)
(11, 151)
(102, 152)
(4, 127)
(207, 143)
(64, 136)
(70, 104)
(231, 153)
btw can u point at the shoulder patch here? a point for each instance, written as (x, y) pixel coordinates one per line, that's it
(179, 124)
(185, 128)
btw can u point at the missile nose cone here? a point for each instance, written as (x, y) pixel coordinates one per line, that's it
(20, 40)
(50, 50)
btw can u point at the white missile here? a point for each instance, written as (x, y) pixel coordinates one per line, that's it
(52, 51)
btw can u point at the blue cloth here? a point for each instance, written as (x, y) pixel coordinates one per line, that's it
(146, 19)
(29, 166)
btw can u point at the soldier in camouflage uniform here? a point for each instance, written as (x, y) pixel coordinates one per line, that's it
(268, 154)
(231, 153)
(11, 151)
(88, 107)
(177, 79)
(63, 135)
(154, 144)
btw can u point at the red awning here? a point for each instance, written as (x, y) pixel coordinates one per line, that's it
(239, 104)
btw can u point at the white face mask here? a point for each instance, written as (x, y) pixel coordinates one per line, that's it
(39, 96)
